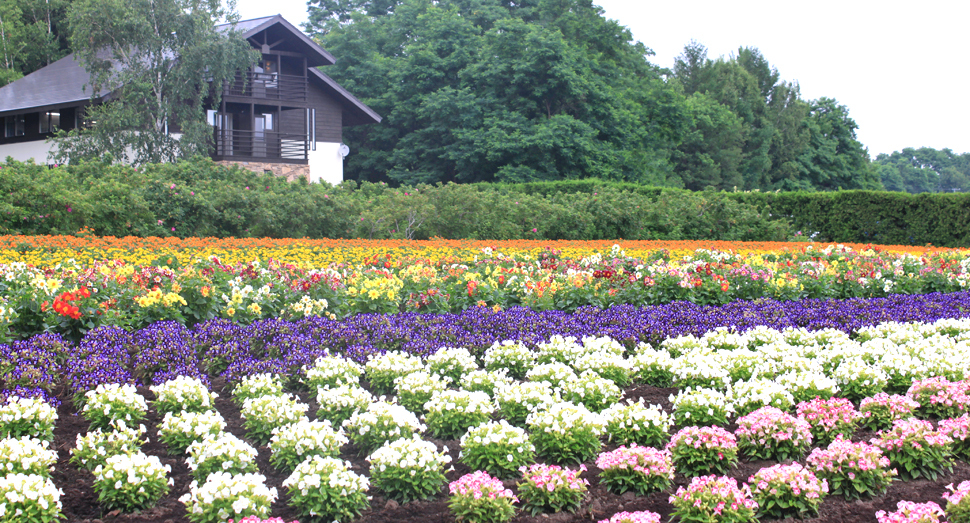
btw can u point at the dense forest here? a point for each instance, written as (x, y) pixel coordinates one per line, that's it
(532, 90)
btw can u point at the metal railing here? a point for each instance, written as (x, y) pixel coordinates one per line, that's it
(231, 143)
(270, 86)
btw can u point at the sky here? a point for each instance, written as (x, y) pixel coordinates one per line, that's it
(899, 66)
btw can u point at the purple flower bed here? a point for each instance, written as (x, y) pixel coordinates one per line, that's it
(219, 347)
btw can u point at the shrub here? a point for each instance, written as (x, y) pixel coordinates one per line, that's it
(635, 423)
(915, 449)
(697, 450)
(852, 470)
(323, 487)
(179, 430)
(769, 433)
(225, 495)
(292, 444)
(829, 418)
(638, 469)
(714, 498)
(565, 433)
(380, 423)
(479, 498)
(788, 491)
(408, 469)
(497, 448)
(549, 488)
(131, 482)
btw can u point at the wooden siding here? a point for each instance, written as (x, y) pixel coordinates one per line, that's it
(329, 115)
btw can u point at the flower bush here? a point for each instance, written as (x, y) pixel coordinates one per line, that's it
(264, 414)
(829, 418)
(417, 388)
(882, 410)
(223, 453)
(224, 495)
(550, 488)
(451, 413)
(714, 499)
(808, 385)
(32, 417)
(382, 369)
(291, 444)
(783, 491)
(515, 402)
(852, 470)
(607, 365)
(452, 363)
(939, 397)
(29, 498)
(915, 450)
(113, 402)
(909, 512)
(408, 469)
(858, 379)
(486, 381)
(131, 482)
(652, 366)
(26, 455)
(380, 423)
(565, 433)
(511, 356)
(638, 469)
(183, 394)
(555, 373)
(698, 450)
(95, 447)
(333, 371)
(958, 429)
(958, 502)
(255, 386)
(323, 487)
(338, 404)
(181, 429)
(560, 349)
(497, 448)
(633, 517)
(480, 498)
(592, 391)
(633, 422)
(769, 433)
(748, 396)
(701, 407)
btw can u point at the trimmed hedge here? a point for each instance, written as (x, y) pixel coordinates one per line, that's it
(200, 198)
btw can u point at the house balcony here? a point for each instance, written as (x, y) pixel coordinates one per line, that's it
(268, 86)
(260, 146)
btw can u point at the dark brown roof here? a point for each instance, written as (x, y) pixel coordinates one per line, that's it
(355, 111)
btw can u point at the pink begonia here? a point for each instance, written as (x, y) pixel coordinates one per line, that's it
(956, 495)
(552, 477)
(911, 433)
(940, 396)
(843, 456)
(479, 484)
(720, 490)
(769, 426)
(645, 460)
(828, 414)
(797, 478)
(909, 512)
(633, 517)
(707, 437)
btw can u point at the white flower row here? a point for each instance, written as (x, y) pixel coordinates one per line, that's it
(183, 394)
(27, 417)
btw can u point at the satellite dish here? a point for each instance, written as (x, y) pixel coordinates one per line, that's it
(343, 150)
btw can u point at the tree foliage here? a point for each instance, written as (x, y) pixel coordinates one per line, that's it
(33, 33)
(924, 170)
(159, 61)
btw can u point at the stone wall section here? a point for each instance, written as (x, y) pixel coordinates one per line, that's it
(290, 171)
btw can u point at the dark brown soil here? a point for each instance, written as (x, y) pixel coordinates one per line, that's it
(81, 505)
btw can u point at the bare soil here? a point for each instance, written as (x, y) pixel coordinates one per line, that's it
(80, 502)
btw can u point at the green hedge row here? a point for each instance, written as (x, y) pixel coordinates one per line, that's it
(200, 198)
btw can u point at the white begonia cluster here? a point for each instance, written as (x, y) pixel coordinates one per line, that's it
(607, 364)
(652, 366)
(183, 394)
(333, 371)
(497, 433)
(749, 396)
(417, 388)
(555, 373)
(602, 344)
(740, 364)
(682, 344)
(691, 403)
(594, 392)
(452, 362)
(132, 480)
(274, 411)
(27, 417)
(859, 379)
(305, 438)
(221, 453)
(515, 402)
(29, 493)
(700, 368)
(113, 402)
(510, 355)
(806, 385)
(26, 455)
(93, 448)
(223, 496)
(323, 472)
(382, 369)
(408, 454)
(452, 408)
(634, 422)
(183, 428)
(497, 448)
(724, 338)
(381, 422)
(762, 335)
(486, 381)
(340, 403)
(902, 368)
(257, 385)
(562, 417)
(558, 349)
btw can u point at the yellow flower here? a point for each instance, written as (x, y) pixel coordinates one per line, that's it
(231, 312)
(255, 309)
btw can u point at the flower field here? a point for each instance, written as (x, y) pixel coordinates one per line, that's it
(824, 383)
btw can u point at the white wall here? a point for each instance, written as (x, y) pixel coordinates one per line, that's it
(326, 164)
(36, 150)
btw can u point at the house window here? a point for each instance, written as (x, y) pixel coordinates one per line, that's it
(50, 122)
(14, 125)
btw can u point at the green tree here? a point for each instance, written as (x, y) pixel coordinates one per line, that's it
(160, 61)
(835, 159)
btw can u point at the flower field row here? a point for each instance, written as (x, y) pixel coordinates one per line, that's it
(72, 297)
(854, 410)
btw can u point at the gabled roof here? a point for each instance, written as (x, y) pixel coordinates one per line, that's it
(277, 28)
(355, 111)
(62, 82)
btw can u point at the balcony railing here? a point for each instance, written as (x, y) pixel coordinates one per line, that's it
(267, 145)
(269, 86)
